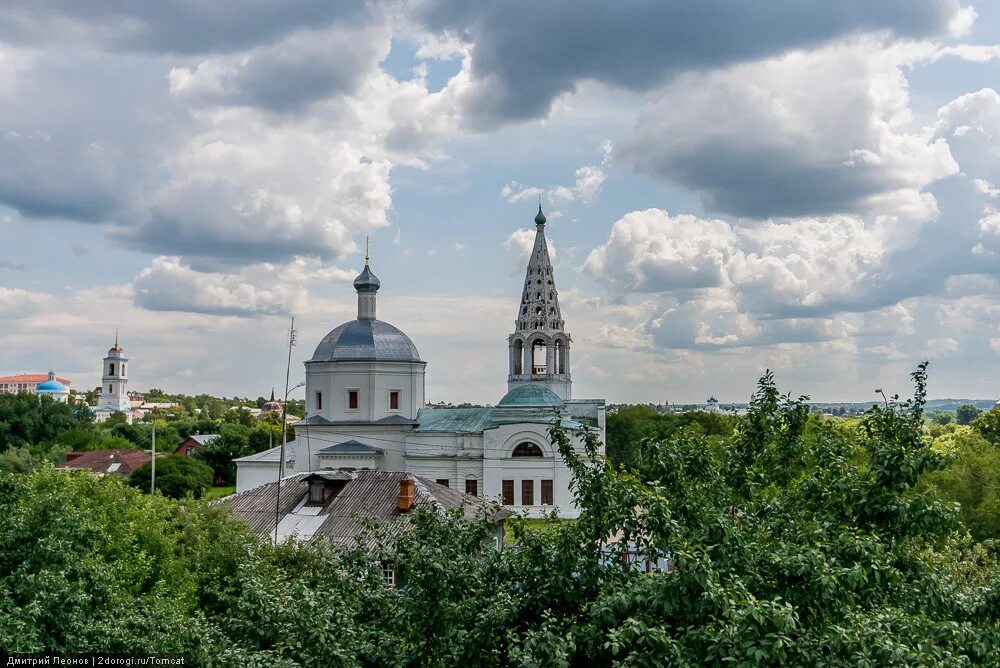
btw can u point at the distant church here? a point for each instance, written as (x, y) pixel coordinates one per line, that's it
(365, 407)
(113, 397)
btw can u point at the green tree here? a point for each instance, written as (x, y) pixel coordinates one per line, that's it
(988, 425)
(26, 419)
(972, 480)
(966, 414)
(176, 477)
(219, 453)
(88, 564)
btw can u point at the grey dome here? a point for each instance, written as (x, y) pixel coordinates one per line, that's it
(366, 340)
(531, 395)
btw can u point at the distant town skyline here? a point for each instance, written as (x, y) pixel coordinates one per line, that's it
(808, 187)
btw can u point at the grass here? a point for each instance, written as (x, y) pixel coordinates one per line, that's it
(213, 493)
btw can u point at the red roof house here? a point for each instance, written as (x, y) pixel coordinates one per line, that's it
(121, 461)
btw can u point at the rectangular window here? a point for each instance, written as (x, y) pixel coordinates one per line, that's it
(443, 481)
(319, 401)
(527, 492)
(472, 487)
(352, 400)
(388, 574)
(394, 400)
(316, 492)
(546, 492)
(508, 492)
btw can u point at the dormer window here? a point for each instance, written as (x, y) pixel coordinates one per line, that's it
(317, 491)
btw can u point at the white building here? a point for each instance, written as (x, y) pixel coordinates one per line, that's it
(113, 397)
(29, 383)
(365, 407)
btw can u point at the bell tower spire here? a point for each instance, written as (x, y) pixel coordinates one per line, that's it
(539, 346)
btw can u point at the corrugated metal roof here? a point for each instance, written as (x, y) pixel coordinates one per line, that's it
(204, 439)
(454, 420)
(368, 497)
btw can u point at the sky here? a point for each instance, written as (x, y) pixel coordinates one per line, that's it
(802, 186)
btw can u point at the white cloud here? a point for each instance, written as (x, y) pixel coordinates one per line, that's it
(264, 289)
(808, 132)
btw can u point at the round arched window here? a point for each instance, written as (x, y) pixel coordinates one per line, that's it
(526, 449)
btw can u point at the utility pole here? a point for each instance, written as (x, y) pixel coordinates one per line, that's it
(152, 464)
(284, 430)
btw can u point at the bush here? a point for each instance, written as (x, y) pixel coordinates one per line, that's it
(176, 477)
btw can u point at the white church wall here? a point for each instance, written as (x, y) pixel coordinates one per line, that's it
(373, 382)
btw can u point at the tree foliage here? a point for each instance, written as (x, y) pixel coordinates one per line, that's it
(176, 477)
(795, 540)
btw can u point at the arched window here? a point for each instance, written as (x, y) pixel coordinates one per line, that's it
(538, 362)
(526, 449)
(518, 358)
(111, 369)
(560, 357)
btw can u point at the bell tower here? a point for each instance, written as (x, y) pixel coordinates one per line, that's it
(539, 347)
(114, 381)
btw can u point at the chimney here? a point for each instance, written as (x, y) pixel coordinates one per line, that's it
(407, 496)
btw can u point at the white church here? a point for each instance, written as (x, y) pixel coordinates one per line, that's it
(365, 407)
(113, 397)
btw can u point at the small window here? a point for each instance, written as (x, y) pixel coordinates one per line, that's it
(319, 401)
(190, 450)
(508, 492)
(109, 389)
(443, 481)
(472, 487)
(352, 400)
(394, 400)
(111, 369)
(388, 574)
(546, 492)
(316, 492)
(527, 492)
(526, 449)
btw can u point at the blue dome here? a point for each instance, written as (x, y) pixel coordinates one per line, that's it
(531, 395)
(366, 340)
(51, 386)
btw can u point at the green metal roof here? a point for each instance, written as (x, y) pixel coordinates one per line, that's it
(455, 420)
(531, 395)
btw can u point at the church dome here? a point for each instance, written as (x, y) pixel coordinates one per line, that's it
(531, 395)
(52, 386)
(363, 339)
(367, 281)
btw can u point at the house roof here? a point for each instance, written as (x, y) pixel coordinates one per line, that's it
(344, 519)
(454, 420)
(122, 461)
(270, 455)
(201, 439)
(349, 448)
(32, 378)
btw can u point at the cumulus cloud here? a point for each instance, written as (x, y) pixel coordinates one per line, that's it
(301, 68)
(651, 251)
(265, 289)
(177, 26)
(589, 181)
(509, 40)
(19, 303)
(805, 133)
